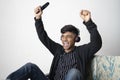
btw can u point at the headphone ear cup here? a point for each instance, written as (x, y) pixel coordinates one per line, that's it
(77, 39)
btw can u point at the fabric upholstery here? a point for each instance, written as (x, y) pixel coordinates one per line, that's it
(104, 68)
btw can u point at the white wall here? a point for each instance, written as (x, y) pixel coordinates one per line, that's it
(19, 42)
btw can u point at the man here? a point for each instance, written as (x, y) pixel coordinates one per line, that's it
(69, 62)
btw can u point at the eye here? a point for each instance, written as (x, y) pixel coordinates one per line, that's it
(66, 36)
(69, 36)
(62, 36)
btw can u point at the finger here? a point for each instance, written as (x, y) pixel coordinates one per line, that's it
(84, 13)
(87, 12)
(37, 9)
(81, 13)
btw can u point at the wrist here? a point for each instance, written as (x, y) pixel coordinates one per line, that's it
(88, 22)
(37, 17)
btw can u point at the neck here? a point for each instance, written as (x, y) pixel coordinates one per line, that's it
(69, 50)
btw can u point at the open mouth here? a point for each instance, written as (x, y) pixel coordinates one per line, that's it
(65, 44)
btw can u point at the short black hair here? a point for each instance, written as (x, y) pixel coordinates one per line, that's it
(70, 28)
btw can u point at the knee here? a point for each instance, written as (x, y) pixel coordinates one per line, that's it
(29, 65)
(73, 74)
(74, 71)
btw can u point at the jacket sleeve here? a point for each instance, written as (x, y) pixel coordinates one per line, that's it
(95, 39)
(51, 45)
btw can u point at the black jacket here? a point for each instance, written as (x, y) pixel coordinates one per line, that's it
(83, 52)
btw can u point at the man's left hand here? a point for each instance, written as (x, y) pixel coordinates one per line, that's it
(85, 15)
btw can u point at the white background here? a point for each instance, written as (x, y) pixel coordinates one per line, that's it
(19, 42)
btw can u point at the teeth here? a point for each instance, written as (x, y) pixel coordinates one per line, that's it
(66, 43)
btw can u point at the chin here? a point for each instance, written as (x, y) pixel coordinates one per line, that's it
(66, 48)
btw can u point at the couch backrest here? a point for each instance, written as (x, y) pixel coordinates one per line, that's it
(105, 68)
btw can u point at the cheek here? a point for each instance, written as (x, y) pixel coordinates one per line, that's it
(71, 40)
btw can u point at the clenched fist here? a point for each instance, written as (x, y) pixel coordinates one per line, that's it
(38, 12)
(85, 15)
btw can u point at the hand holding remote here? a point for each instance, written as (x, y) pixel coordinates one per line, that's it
(38, 10)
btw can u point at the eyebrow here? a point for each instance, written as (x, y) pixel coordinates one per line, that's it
(66, 35)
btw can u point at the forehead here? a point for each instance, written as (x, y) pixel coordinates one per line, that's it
(68, 33)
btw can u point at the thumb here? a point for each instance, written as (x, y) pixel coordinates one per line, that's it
(81, 15)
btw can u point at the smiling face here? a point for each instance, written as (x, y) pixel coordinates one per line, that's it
(69, 36)
(68, 41)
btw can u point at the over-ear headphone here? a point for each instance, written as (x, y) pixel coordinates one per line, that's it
(77, 39)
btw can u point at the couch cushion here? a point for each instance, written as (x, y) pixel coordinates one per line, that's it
(105, 68)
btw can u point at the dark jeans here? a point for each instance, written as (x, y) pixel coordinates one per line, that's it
(32, 72)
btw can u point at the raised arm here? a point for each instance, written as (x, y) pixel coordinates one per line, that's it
(95, 38)
(51, 45)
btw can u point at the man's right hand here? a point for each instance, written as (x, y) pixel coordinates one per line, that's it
(38, 12)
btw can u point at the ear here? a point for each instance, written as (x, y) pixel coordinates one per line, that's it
(77, 39)
(61, 37)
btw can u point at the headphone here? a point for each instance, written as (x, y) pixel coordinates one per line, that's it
(77, 39)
